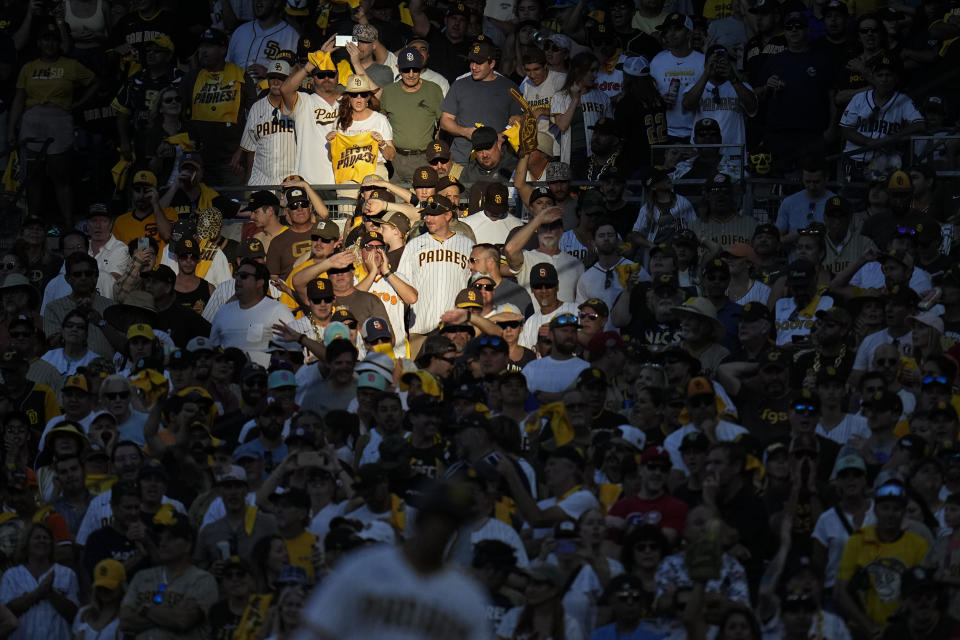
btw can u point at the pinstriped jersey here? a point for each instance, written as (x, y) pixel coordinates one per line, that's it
(438, 270)
(271, 136)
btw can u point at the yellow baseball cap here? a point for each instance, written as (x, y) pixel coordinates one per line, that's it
(145, 177)
(141, 331)
(108, 574)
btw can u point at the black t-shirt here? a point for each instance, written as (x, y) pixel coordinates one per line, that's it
(137, 31)
(223, 621)
(813, 361)
(608, 420)
(184, 207)
(107, 542)
(182, 324)
(643, 125)
(764, 416)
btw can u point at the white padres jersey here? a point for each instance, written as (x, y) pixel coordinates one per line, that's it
(539, 96)
(866, 118)
(438, 270)
(271, 136)
(789, 321)
(250, 44)
(314, 118)
(396, 310)
(570, 243)
(373, 594)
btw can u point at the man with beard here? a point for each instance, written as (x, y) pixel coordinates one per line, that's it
(602, 279)
(124, 538)
(794, 314)
(714, 285)
(548, 377)
(652, 503)
(547, 223)
(490, 163)
(145, 218)
(646, 312)
(604, 147)
(268, 149)
(236, 526)
(830, 339)
(268, 443)
(762, 400)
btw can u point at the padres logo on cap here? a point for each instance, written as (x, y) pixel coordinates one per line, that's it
(188, 244)
(472, 296)
(409, 56)
(543, 272)
(461, 7)
(321, 285)
(720, 178)
(254, 245)
(423, 174)
(277, 67)
(773, 356)
(498, 199)
(476, 48)
(437, 147)
(377, 325)
(306, 44)
(355, 81)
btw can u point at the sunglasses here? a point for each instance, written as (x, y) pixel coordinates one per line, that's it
(607, 278)
(566, 319)
(117, 395)
(697, 403)
(172, 99)
(591, 315)
(161, 589)
(323, 240)
(509, 324)
(437, 161)
(322, 300)
(485, 287)
(450, 359)
(83, 274)
(410, 70)
(300, 204)
(935, 380)
(362, 94)
(906, 231)
(629, 596)
(891, 491)
(382, 340)
(325, 74)
(805, 409)
(490, 341)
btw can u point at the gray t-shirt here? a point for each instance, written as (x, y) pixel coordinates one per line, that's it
(488, 103)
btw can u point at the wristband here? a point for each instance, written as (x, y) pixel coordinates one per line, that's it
(468, 315)
(388, 274)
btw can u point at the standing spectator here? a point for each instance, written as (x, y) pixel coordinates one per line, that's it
(483, 97)
(269, 135)
(247, 322)
(675, 70)
(491, 161)
(449, 45)
(359, 113)
(493, 223)
(48, 91)
(170, 600)
(254, 45)
(577, 107)
(798, 91)
(133, 32)
(720, 93)
(539, 83)
(421, 45)
(218, 95)
(111, 253)
(800, 210)
(412, 105)
(640, 115)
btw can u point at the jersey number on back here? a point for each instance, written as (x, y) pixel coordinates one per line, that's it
(656, 128)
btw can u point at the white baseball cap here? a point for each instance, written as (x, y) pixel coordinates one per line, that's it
(278, 68)
(637, 66)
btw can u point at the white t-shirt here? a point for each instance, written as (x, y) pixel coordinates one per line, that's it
(67, 366)
(569, 270)
(438, 270)
(666, 67)
(548, 374)
(494, 529)
(314, 118)
(374, 594)
(250, 330)
(320, 522)
(540, 95)
(594, 104)
(531, 326)
(376, 122)
(789, 323)
(866, 118)
(251, 44)
(112, 258)
(611, 82)
(269, 134)
(489, 231)
(870, 276)
(726, 432)
(831, 533)
(723, 105)
(597, 282)
(864, 359)
(758, 292)
(574, 505)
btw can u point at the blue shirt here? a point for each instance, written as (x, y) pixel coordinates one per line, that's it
(271, 458)
(798, 211)
(609, 632)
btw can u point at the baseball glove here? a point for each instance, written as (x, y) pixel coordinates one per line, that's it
(528, 125)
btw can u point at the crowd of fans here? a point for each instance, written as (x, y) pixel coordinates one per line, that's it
(442, 319)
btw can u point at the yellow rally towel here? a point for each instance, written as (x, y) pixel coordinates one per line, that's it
(120, 173)
(625, 272)
(249, 519)
(504, 509)
(611, 62)
(152, 383)
(183, 141)
(398, 510)
(165, 515)
(11, 174)
(98, 483)
(353, 157)
(512, 134)
(216, 95)
(556, 415)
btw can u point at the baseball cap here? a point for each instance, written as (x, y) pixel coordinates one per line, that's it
(481, 52)
(835, 314)
(319, 288)
(654, 453)
(706, 125)
(425, 177)
(637, 66)
(543, 273)
(326, 229)
(409, 58)
(851, 461)
(468, 299)
(836, 206)
(281, 378)
(695, 440)
(605, 126)
(252, 370)
(541, 192)
(214, 36)
(899, 181)
(365, 32)
(484, 138)
(140, 330)
(676, 20)
(438, 149)
(768, 228)
(374, 328)
(755, 311)
(591, 376)
(457, 9)
(495, 198)
(686, 238)
(278, 69)
(371, 380)
(597, 305)
(77, 382)
(145, 177)
(836, 5)
(800, 272)
(200, 343)
(765, 6)
(109, 573)
(186, 247)
(97, 209)
(250, 248)
(902, 294)
(699, 386)
(234, 474)
(262, 198)
(397, 220)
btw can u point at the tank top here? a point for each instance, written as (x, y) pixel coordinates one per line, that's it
(86, 31)
(195, 300)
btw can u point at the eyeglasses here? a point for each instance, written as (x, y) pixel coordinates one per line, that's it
(172, 99)
(372, 247)
(935, 380)
(325, 74)
(243, 275)
(566, 319)
(509, 324)
(869, 30)
(362, 94)
(117, 395)
(629, 596)
(490, 341)
(322, 300)
(83, 274)
(697, 403)
(485, 287)
(805, 409)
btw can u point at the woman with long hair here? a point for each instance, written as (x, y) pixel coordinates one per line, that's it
(543, 615)
(359, 113)
(167, 119)
(288, 613)
(641, 551)
(576, 108)
(16, 440)
(270, 556)
(101, 618)
(41, 593)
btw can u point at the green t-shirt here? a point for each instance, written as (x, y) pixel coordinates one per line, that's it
(413, 116)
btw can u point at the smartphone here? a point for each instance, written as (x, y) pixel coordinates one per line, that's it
(143, 243)
(565, 546)
(311, 459)
(341, 41)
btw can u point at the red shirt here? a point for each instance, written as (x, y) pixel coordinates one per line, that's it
(664, 512)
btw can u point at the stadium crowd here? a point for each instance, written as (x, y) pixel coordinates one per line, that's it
(527, 320)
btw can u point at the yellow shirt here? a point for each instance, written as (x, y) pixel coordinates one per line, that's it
(53, 82)
(127, 227)
(288, 300)
(301, 550)
(354, 157)
(884, 563)
(216, 95)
